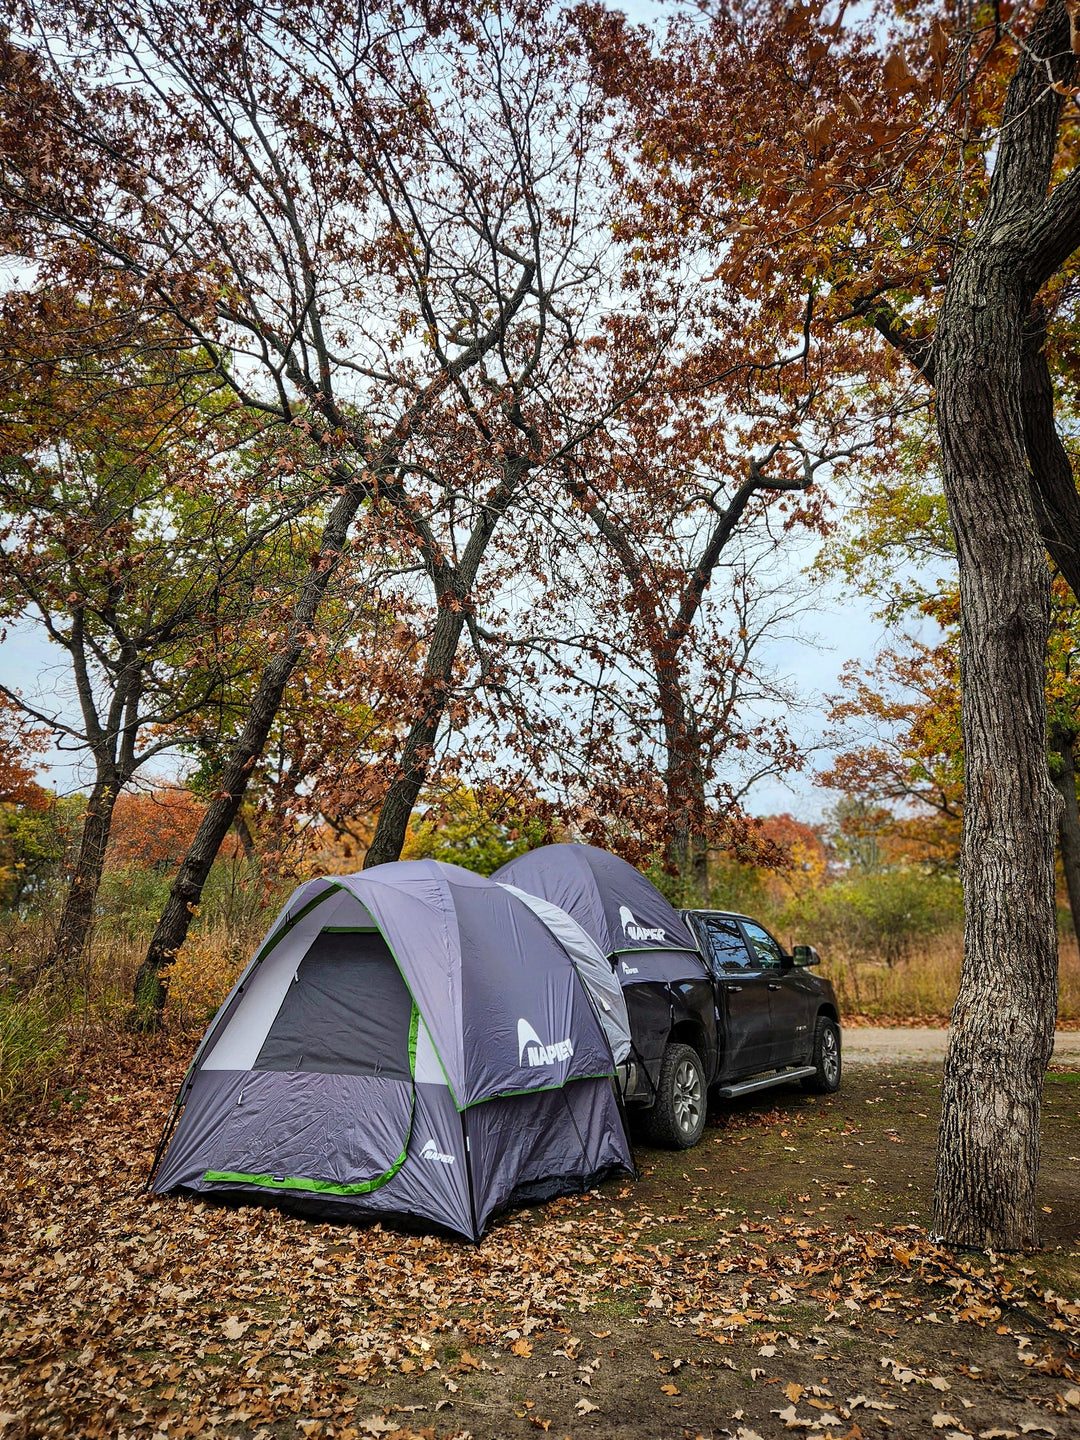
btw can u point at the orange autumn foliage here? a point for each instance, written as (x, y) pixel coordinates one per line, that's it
(153, 828)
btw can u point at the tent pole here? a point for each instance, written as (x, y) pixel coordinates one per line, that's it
(468, 1176)
(166, 1135)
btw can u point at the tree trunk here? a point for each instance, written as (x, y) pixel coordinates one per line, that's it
(452, 588)
(393, 822)
(77, 917)
(244, 835)
(995, 413)
(1062, 740)
(1003, 1020)
(686, 850)
(187, 887)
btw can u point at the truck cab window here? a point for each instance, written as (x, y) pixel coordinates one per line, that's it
(769, 952)
(725, 945)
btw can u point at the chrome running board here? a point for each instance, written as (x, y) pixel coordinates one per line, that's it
(747, 1087)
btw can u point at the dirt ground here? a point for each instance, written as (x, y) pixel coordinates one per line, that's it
(777, 1280)
(882, 1045)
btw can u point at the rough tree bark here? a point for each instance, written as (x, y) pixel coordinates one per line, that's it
(1053, 487)
(684, 780)
(415, 759)
(112, 741)
(1003, 1020)
(1057, 504)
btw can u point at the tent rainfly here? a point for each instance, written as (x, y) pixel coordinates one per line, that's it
(618, 907)
(416, 1044)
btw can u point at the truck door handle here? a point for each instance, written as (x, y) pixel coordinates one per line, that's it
(773, 985)
(734, 988)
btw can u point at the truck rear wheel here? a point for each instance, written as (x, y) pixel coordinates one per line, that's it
(677, 1119)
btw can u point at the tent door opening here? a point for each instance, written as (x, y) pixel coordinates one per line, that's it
(329, 1103)
(348, 1011)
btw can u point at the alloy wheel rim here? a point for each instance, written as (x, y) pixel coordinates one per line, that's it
(830, 1056)
(687, 1097)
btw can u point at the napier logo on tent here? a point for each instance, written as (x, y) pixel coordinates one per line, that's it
(633, 931)
(432, 1152)
(533, 1051)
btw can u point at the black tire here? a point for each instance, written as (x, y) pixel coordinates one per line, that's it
(827, 1063)
(677, 1120)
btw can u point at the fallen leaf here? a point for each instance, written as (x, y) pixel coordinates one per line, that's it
(233, 1327)
(670, 1389)
(792, 1421)
(585, 1407)
(378, 1425)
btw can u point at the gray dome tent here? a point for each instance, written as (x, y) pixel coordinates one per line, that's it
(643, 935)
(591, 964)
(416, 1042)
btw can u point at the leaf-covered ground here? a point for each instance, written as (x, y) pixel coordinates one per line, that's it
(777, 1280)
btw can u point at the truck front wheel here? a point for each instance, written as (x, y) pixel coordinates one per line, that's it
(826, 1077)
(677, 1119)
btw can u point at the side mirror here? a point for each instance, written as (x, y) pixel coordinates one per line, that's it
(805, 955)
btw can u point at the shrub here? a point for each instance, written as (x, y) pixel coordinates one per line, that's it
(742, 888)
(203, 974)
(236, 896)
(877, 916)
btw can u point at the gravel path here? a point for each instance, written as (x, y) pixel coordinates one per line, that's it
(867, 1045)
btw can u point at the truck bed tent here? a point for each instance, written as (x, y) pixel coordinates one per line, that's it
(413, 1043)
(622, 910)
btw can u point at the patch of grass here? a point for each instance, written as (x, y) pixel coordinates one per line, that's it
(32, 1048)
(617, 1309)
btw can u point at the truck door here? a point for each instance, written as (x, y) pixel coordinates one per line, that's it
(789, 1005)
(742, 996)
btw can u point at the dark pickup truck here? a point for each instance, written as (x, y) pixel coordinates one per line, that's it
(761, 1018)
